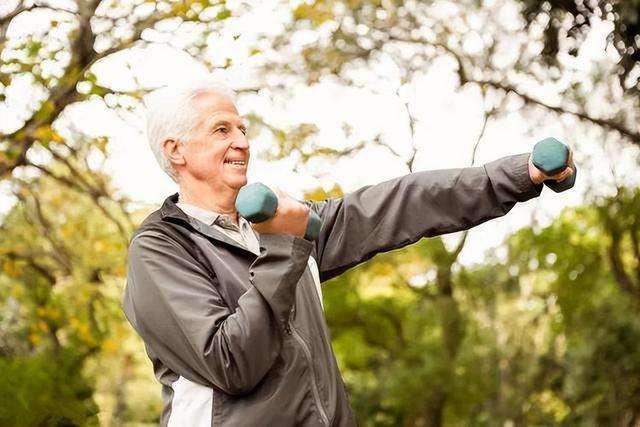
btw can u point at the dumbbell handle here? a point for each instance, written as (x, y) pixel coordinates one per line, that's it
(257, 203)
(552, 157)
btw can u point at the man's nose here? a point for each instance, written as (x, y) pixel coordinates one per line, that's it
(240, 142)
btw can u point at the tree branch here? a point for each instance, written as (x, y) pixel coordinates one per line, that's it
(412, 128)
(63, 94)
(633, 136)
(621, 276)
(83, 56)
(486, 116)
(95, 192)
(59, 253)
(30, 260)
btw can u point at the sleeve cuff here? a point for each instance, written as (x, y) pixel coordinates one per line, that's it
(527, 188)
(510, 178)
(299, 245)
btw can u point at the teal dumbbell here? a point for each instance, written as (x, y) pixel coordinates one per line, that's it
(257, 203)
(552, 157)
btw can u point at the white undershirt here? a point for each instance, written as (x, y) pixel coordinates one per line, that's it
(242, 233)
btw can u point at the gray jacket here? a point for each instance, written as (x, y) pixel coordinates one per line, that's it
(241, 340)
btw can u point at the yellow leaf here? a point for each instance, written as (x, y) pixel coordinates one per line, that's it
(43, 132)
(12, 269)
(109, 346)
(35, 338)
(17, 291)
(42, 326)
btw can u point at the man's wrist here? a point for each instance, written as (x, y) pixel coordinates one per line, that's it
(510, 175)
(525, 176)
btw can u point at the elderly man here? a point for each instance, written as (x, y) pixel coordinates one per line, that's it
(231, 313)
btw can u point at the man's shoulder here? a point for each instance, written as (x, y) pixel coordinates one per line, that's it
(151, 225)
(154, 226)
(152, 221)
(159, 220)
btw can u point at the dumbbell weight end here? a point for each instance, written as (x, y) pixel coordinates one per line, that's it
(552, 157)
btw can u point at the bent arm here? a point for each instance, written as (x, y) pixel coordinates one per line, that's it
(173, 303)
(398, 212)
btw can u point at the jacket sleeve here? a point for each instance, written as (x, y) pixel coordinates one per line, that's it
(398, 212)
(173, 303)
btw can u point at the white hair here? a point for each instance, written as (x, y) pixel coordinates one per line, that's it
(171, 114)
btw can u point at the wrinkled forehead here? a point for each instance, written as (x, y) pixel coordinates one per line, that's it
(213, 106)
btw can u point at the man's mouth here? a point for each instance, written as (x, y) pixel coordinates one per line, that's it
(236, 163)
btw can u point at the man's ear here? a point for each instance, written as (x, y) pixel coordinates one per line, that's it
(173, 151)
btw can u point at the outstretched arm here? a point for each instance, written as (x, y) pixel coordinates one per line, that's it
(398, 212)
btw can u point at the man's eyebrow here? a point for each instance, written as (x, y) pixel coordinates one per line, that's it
(228, 123)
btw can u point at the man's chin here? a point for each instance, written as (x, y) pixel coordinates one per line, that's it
(238, 183)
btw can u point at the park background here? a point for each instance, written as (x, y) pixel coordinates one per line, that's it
(529, 319)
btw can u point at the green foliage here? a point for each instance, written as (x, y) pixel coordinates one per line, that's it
(317, 13)
(546, 338)
(65, 346)
(598, 310)
(45, 390)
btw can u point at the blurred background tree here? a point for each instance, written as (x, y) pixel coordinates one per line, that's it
(69, 356)
(572, 20)
(542, 332)
(545, 337)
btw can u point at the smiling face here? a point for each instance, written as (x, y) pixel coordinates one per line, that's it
(217, 151)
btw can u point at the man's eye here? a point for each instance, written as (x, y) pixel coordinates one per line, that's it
(243, 130)
(222, 129)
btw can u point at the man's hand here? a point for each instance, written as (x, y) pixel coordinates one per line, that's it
(538, 177)
(291, 218)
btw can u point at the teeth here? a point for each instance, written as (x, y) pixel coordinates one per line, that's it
(236, 162)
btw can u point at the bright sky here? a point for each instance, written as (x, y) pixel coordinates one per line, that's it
(449, 122)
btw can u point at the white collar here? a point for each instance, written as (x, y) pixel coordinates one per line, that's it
(204, 215)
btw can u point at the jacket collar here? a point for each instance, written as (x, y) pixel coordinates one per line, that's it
(172, 213)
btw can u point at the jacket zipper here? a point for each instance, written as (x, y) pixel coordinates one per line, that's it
(316, 394)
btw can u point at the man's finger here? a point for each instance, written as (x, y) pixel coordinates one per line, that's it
(564, 174)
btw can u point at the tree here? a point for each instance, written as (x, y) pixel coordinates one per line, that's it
(381, 323)
(542, 337)
(60, 58)
(590, 264)
(389, 45)
(61, 279)
(574, 19)
(489, 344)
(420, 349)
(64, 242)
